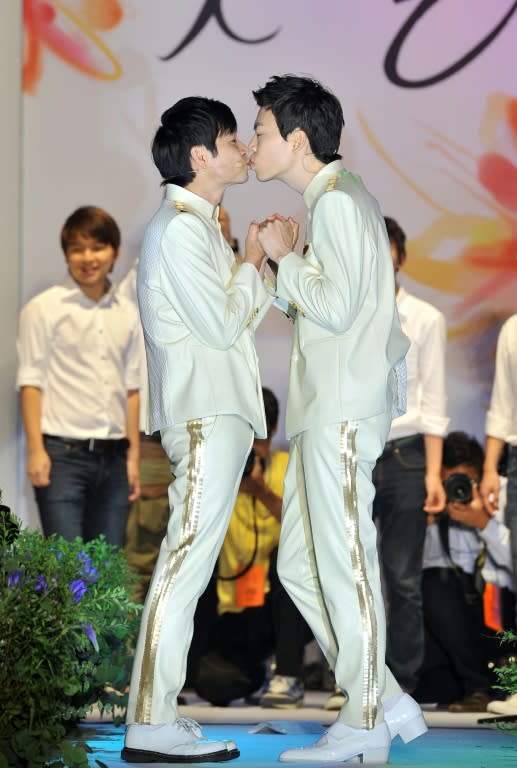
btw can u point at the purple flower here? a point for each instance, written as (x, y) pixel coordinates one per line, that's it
(88, 570)
(14, 578)
(41, 584)
(78, 589)
(90, 634)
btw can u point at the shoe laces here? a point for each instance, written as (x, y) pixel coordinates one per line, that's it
(190, 726)
(280, 684)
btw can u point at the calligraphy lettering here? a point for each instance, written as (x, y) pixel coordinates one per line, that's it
(213, 8)
(392, 56)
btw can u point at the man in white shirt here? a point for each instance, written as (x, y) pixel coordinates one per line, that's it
(407, 476)
(501, 428)
(79, 388)
(199, 307)
(346, 380)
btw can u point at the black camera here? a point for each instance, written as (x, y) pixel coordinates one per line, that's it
(250, 462)
(458, 488)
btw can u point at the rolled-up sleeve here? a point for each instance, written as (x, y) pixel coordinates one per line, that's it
(501, 421)
(433, 402)
(33, 348)
(135, 353)
(497, 539)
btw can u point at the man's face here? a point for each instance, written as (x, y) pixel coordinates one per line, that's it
(230, 164)
(89, 261)
(460, 469)
(270, 155)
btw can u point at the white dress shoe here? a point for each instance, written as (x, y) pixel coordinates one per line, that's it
(404, 717)
(507, 707)
(341, 743)
(179, 742)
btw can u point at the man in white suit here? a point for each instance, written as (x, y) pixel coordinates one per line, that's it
(199, 308)
(346, 382)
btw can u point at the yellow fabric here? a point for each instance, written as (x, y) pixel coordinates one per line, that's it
(239, 542)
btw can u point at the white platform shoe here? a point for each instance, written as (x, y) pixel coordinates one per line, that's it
(404, 718)
(179, 742)
(341, 743)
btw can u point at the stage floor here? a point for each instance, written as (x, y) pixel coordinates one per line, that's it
(453, 740)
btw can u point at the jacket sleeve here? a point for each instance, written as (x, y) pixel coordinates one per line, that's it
(330, 285)
(215, 312)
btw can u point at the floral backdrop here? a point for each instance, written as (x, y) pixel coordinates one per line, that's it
(430, 103)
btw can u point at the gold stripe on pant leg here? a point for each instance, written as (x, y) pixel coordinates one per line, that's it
(163, 588)
(364, 592)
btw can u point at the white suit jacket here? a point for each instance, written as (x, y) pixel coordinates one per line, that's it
(198, 310)
(348, 350)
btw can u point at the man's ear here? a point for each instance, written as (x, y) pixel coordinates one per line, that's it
(198, 157)
(298, 140)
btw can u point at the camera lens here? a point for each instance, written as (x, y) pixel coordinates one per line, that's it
(458, 488)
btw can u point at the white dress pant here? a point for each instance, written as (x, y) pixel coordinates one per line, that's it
(328, 558)
(207, 458)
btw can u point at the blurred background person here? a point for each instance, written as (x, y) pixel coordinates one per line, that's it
(78, 377)
(501, 433)
(407, 475)
(464, 544)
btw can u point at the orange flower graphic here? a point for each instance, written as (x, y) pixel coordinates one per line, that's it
(467, 257)
(70, 33)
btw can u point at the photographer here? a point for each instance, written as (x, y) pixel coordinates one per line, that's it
(257, 617)
(463, 544)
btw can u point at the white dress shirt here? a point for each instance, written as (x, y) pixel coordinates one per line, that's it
(425, 327)
(501, 420)
(83, 356)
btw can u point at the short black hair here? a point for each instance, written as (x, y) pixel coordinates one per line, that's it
(397, 236)
(461, 448)
(90, 221)
(301, 102)
(191, 122)
(271, 408)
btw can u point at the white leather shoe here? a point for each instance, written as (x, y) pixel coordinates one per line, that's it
(179, 742)
(341, 743)
(404, 717)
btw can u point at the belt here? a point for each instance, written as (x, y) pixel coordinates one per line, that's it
(400, 442)
(93, 444)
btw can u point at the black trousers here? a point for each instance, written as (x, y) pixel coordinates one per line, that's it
(458, 645)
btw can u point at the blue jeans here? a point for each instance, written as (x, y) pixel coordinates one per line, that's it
(511, 512)
(400, 493)
(88, 492)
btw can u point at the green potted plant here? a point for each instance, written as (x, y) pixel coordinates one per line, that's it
(67, 630)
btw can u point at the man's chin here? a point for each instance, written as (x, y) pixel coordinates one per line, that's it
(243, 179)
(260, 176)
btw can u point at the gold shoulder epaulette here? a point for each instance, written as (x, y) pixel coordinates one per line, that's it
(331, 184)
(179, 205)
